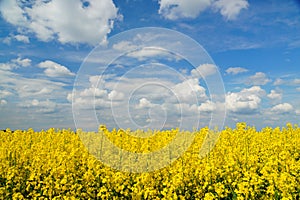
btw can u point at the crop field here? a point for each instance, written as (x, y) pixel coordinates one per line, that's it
(243, 164)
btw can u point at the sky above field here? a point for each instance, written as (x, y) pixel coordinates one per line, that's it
(249, 66)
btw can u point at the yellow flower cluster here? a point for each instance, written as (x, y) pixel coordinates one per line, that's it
(58, 164)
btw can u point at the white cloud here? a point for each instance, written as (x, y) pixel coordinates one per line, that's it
(259, 78)
(22, 38)
(144, 97)
(19, 37)
(144, 103)
(93, 92)
(125, 46)
(40, 106)
(13, 13)
(7, 66)
(15, 63)
(7, 40)
(241, 104)
(188, 90)
(90, 102)
(254, 90)
(176, 9)
(53, 69)
(140, 94)
(296, 81)
(283, 108)
(278, 81)
(207, 106)
(22, 88)
(246, 101)
(96, 81)
(115, 95)
(5, 93)
(204, 70)
(99, 96)
(44, 91)
(22, 62)
(236, 70)
(298, 89)
(149, 52)
(185, 109)
(3, 102)
(95, 97)
(275, 95)
(33, 97)
(70, 97)
(230, 9)
(297, 112)
(37, 88)
(67, 21)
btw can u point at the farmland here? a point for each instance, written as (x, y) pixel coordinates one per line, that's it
(245, 163)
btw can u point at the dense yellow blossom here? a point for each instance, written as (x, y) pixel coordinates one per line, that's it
(244, 164)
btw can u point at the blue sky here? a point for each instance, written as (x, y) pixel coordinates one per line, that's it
(44, 45)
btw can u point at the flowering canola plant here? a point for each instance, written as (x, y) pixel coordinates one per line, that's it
(243, 164)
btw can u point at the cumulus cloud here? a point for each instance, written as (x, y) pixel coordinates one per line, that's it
(32, 97)
(247, 101)
(144, 97)
(185, 109)
(90, 100)
(21, 88)
(207, 106)
(41, 106)
(283, 108)
(275, 95)
(22, 62)
(230, 9)
(53, 69)
(22, 38)
(296, 81)
(236, 70)
(28, 88)
(19, 37)
(259, 78)
(7, 40)
(93, 92)
(176, 9)
(96, 80)
(7, 66)
(149, 52)
(115, 95)
(125, 46)
(12, 12)
(5, 93)
(254, 90)
(144, 103)
(95, 97)
(188, 90)
(67, 21)
(15, 63)
(3, 102)
(204, 70)
(278, 81)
